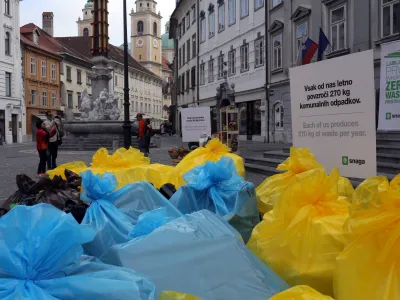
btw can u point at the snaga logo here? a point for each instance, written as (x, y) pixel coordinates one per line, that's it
(352, 161)
(390, 116)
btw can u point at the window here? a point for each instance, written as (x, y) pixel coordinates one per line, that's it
(70, 100)
(193, 77)
(259, 51)
(202, 30)
(232, 62)
(188, 50)
(79, 76)
(33, 97)
(277, 52)
(141, 107)
(7, 7)
(278, 116)
(194, 46)
(244, 58)
(232, 12)
(53, 99)
(136, 106)
(260, 3)
(140, 56)
(155, 27)
(211, 70)
(7, 44)
(188, 20)
(8, 84)
(183, 55)
(187, 80)
(301, 33)
(221, 17)
(221, 66)
(183, 26)
(202, 74)
(88, 80)
(44, 98)
(244, 8)
(180, 57)
(194, 13)
(44, 69)
(33, 66)
(338, 28)
(389, 21)
(69, 74)
(53, 72)
(85, 32)
(276, 2)
(145, 107)
(179, 31)
(183, 82)
(140, 28)
(116, 81)
(211, 24)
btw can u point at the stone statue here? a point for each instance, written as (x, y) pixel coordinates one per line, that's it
(105, 107)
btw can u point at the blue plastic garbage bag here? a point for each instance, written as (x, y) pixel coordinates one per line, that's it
(218, 187)
(199, 254)
(150, 221)
(114, 213)
(41, 259)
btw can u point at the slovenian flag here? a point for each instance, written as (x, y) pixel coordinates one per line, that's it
(309, 49)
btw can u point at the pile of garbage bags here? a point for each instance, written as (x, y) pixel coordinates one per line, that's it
(131, 165)
(149, 231)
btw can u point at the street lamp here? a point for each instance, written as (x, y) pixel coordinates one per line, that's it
(127, 121)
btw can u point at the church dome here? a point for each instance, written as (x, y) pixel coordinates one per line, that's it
(167, 43)
(89, 4)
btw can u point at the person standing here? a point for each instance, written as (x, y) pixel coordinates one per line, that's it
(141, 134)
(42, 137)
(147, 135)
(54, 140)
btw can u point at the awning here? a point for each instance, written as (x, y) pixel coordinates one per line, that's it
(40, 116)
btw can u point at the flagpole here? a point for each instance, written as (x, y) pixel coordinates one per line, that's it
(267, 67)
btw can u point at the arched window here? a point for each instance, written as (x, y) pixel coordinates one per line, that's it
(278, 116)
(140, 27)
(155, 29)
(85, 32)
(7, 44)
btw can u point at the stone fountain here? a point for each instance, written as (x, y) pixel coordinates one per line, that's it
(99, 125)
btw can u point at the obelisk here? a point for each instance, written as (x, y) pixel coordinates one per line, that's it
(101, 73)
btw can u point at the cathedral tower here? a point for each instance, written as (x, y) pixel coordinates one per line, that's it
(146, 35)
(84, 25)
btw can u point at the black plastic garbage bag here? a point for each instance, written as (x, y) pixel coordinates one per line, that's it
(73, 180)
(168, 190)
(77, 210)
(23, 195)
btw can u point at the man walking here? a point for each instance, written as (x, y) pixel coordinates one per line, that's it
(53, 140)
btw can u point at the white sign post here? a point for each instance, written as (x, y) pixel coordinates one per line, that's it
(195, 122)
(333, 113)
(389, 103)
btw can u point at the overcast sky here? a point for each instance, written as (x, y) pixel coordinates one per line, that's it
(66, 14)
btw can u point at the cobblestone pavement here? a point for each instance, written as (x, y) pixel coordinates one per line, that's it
(23, 158)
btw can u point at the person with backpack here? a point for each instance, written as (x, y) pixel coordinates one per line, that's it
(55, 139)
(42, 137)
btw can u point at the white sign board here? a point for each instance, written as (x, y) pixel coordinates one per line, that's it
(195, 122)
(333, 113)
(389, 100)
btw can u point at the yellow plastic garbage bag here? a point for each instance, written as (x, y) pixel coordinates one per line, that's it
(300, 292)
(369, 266)
(120, 159)
(170, 295)
(76, 166)
(213, 151)
(299, 161)
(301, 237)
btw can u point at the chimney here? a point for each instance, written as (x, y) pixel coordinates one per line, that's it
(47, 23)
